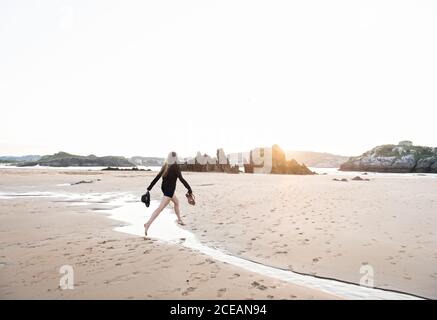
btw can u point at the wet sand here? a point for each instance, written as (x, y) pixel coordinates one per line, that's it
(308, 224)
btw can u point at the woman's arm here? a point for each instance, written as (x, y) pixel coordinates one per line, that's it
(185, 183)
(155, 180)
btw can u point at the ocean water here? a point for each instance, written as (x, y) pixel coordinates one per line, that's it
(321, 171)
(337, 172)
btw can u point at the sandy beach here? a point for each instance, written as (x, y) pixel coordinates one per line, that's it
(307, 224)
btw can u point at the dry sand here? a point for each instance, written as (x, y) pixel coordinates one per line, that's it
(315, 225)
(309, 224)
(39, 235)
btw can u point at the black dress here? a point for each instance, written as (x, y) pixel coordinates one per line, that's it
(168, 185)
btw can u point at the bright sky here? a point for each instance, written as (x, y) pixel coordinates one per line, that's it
(146, 77)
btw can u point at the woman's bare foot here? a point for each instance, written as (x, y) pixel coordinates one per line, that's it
(146, 227)
(181, 222)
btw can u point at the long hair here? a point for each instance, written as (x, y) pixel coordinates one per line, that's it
(171, 159)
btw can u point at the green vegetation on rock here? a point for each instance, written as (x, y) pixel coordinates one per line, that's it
(64, 159)
(404, 157)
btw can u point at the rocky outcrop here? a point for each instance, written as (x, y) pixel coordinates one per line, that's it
(433, 167)
(358, 178)
(428, 164)
(273, 160)
(401, 158)
(81, 182)
(64, 159)
(120, 169)
(206, 163)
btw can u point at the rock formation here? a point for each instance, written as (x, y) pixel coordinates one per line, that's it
(205, 163)
(127, 169)
(273, 160)
(358, 178)
(401, 158)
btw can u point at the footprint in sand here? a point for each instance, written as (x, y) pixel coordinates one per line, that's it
(188, 291)
(220, 292)
(258, 285)
(281, 252)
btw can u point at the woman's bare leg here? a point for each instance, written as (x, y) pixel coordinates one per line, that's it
(177, 209)
(164, 202)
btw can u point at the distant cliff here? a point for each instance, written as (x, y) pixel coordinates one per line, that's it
(64, 159)
(15, 159)
(317, 159)
(403, 157)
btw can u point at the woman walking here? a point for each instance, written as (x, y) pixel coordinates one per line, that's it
(169, 172)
